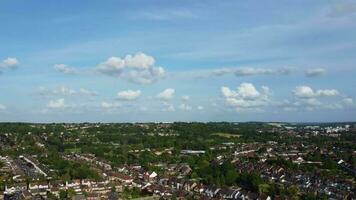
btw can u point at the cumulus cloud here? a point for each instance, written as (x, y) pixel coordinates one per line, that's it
(246, 96)
(137, 68)
(309, 99)
(304, 92)
(112, 66)
(9, 63)
(65, 69)
(139, 61)
(56, 104)
(307, 92)
(128, 95)
(315, 72)
(166, 94)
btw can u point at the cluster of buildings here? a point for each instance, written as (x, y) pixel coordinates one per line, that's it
(82, 189)
(30, 179)
(172, 183)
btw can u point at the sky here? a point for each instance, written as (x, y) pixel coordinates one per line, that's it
(186, 60)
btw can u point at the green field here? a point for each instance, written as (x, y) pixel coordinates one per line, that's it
(73, 150)
(227, 135)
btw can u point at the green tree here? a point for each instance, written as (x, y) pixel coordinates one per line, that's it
(63, 194)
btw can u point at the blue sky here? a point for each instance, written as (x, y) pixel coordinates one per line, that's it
(159, 60)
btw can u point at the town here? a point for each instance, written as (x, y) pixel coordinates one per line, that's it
(178, 161)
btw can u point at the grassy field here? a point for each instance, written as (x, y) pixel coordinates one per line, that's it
(73, 150)
(226, 135)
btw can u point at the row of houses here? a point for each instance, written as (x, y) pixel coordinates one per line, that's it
(90, 187)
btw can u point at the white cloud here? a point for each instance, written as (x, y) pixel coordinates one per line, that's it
(307, 92)
(137, 68)
(9, 63)
(308, 102)
(63, 91)
(56, 104)
(2, 107)
(334, 106)
(86, 92)
(304, 92)
(348, 101)
(308, 99)
(110, 105)
(113, 65)
(253, 71)
(60, 104)
(286, 70)
(185, 107)
(226, 92)
(185, 98)
(129, 94)
(327, 92)
(170, 108)
(143, 76)
(66, 91)
(315, 72)
(166, 94)
(200, 107)
(139, 61)
(246, 96)
(222, 71)
(243, 103)
(64, 69)
(312, 104)
(247, 91)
